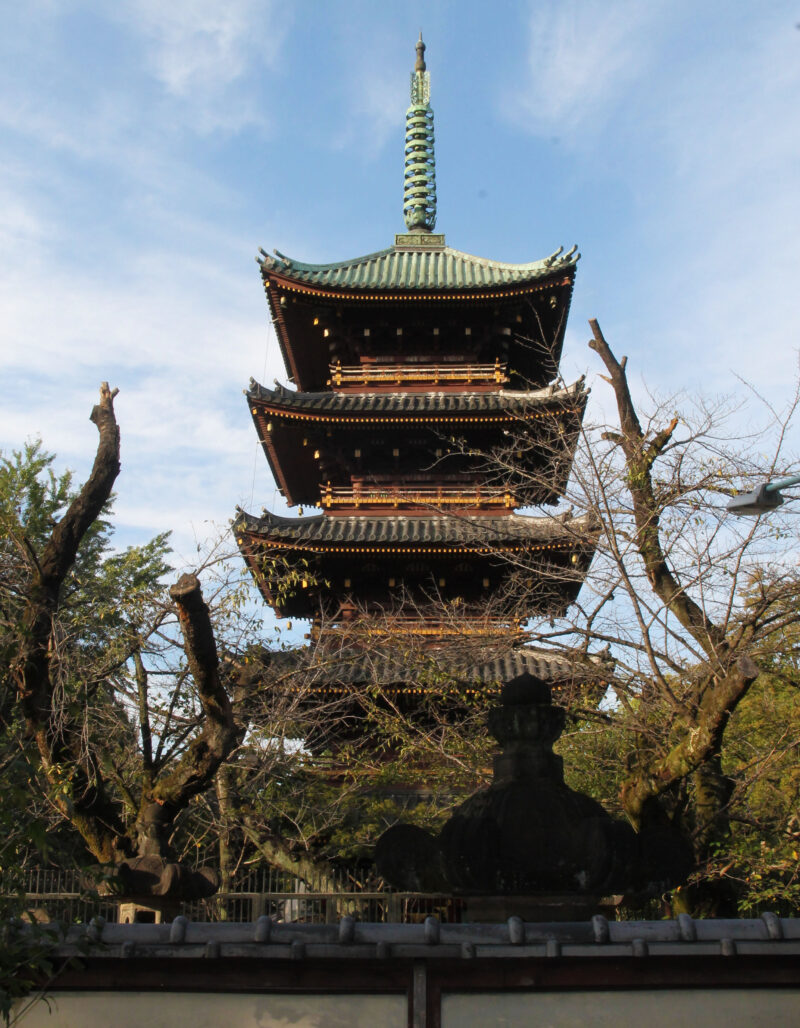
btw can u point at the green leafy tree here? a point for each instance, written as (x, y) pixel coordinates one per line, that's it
(760, 852)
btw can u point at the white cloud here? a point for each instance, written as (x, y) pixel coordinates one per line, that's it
(204, 44)
(180, 337)
(373, 86)
(694, 144)
(204, 53)
(729, 210)
(582, 56)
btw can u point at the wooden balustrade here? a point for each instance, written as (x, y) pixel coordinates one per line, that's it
(360, 626)
(418, 496)
(432, 374)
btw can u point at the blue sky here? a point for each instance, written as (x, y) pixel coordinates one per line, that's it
(149, 148)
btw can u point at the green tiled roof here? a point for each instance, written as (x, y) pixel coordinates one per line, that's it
(423, 268)
(514, 402)
(419, 530)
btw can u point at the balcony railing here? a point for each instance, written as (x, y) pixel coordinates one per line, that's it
(409, 374)
(432, 497)
(358, 626)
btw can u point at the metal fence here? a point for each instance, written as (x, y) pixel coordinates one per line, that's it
(56, 894)
(53, 894)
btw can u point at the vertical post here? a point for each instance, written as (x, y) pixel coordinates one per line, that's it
(419, 995)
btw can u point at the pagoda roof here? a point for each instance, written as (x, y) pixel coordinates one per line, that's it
(428, 268)
(438, 532)
(389, 666)
(422, 404)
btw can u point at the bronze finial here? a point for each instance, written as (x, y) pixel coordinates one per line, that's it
(420, 65)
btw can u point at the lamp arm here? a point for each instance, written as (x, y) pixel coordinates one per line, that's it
(784, 483)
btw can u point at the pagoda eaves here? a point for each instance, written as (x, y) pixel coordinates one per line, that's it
(432, 268)
(433, 533)
(390, 564)
(420, 304)
(338, 438)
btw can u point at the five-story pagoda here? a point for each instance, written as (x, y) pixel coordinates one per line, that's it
(414, 368)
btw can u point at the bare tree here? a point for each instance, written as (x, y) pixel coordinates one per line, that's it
(691, 601)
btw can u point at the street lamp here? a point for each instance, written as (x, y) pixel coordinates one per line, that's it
(766, 497)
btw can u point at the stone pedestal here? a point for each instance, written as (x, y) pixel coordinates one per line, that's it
(147, 910)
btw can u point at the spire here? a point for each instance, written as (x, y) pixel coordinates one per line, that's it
(420, 65)
(419, 197)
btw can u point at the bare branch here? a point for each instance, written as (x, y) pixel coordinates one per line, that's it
(639, 458)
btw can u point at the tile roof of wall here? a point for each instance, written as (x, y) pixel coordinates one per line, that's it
(267, 940)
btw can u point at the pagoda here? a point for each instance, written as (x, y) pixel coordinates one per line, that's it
(425, 410)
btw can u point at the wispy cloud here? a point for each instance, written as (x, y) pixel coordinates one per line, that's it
(203, 44)
(201, 52)
(373, 87)
(683, 154)
(130, 262)
(179, 336)
(727, 207)
(582, 56)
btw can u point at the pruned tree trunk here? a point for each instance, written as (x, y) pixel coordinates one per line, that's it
(78, 788)
(68, 757)
(222, 785)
